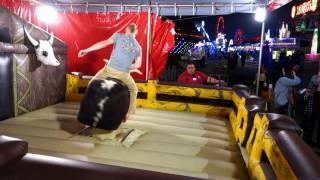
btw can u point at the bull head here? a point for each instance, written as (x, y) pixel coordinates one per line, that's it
(44, 50)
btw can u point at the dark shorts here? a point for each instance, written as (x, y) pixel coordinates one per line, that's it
(283, 109)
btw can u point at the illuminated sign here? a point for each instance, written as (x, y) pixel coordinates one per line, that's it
(302, 9)
(314, 45)
(285, 42)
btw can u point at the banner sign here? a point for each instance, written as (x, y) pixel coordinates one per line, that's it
(304, 8)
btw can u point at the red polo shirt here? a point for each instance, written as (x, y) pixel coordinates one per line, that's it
(197, 78)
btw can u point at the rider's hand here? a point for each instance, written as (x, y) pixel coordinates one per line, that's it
(135, 71)
(82, 53)
(294, 73)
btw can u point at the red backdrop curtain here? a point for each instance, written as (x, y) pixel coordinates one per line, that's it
(162, 43)
(80, 30)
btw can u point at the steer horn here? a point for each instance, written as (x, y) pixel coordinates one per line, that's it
(34, 42)
(51, 38)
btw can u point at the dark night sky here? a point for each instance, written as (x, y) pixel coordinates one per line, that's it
(243, 21)
(275, 19)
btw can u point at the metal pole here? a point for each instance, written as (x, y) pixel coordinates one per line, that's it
(318, 89)
(155, 5)
(260, 59)
(148, 42)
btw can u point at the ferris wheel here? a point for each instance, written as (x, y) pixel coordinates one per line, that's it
(220, 25)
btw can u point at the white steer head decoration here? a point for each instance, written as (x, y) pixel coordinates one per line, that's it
(43, 49)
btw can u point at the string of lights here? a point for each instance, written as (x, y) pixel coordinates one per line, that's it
(189, 35)
(182, 47)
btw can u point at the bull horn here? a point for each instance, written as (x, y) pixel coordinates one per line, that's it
(34, 42)
(51, 38)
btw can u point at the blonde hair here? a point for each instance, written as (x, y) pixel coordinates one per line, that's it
(132, 27)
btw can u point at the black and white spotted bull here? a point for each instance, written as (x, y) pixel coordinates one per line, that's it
(44, 50)
(105, 104)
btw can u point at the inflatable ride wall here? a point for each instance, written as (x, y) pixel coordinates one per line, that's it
(25, 83)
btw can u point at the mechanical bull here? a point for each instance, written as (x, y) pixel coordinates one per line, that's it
(105, 104)
(44, 50)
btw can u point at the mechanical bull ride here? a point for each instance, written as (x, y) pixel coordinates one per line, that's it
(105, 104)
(190, 132)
